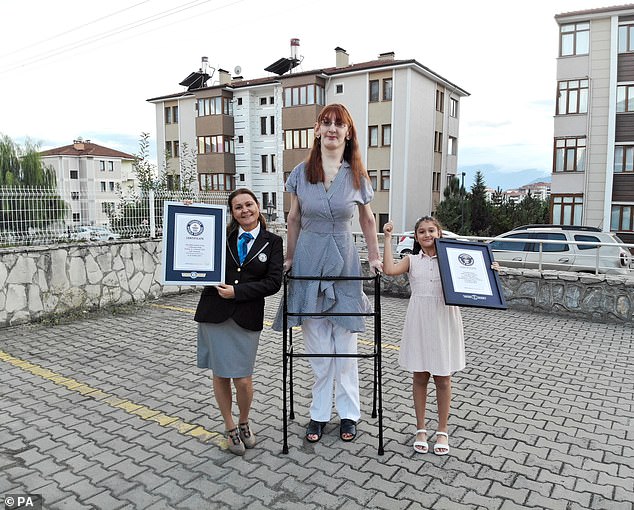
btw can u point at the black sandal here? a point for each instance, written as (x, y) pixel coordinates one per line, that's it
(348, 426)
(315, 428)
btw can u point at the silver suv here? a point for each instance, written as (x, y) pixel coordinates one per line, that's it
(536, 251)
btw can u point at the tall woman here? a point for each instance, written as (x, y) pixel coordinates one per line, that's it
(230, 316)
(325, 191)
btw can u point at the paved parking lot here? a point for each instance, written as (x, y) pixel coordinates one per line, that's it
(109, 411)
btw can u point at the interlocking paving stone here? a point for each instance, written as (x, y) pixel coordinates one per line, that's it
(541, 418)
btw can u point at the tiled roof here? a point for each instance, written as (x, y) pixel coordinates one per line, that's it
(328, 71)
(90, 150)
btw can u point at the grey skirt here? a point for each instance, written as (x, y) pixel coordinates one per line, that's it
(228, 349)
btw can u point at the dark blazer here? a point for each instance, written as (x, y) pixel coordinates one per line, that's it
(260, 275)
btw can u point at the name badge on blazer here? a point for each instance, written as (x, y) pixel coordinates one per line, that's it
(262, 257)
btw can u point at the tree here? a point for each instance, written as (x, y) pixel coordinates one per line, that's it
(450, 211)
(479, 208)
(31, 200)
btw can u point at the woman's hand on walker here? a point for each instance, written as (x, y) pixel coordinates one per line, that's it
(495, 266)
(376, 264)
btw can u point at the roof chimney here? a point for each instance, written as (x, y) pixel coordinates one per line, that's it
(223, 77)
(387, 56)
(342, 57)
(78, 144)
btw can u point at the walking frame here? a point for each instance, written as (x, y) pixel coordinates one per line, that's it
(289, 354)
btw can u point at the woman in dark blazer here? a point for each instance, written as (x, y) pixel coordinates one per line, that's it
(230, 316)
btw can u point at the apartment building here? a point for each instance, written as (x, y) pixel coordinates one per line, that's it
(253, 132)
(89, 178)
(593, 160)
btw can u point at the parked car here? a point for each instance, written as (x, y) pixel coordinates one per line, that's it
(406, 242)
(80, 233)
(561, 256)
(103, 234)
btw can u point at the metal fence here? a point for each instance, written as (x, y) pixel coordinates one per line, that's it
(38, 216)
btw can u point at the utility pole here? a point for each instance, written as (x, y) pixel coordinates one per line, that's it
(462, 195)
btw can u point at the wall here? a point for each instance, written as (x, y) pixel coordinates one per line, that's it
(600, 298)
(37, 282)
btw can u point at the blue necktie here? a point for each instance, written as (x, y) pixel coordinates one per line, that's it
(243, 241)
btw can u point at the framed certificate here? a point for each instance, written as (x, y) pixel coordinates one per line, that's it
(194, 238)
(466, 274)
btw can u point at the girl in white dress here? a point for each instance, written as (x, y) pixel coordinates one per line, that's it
(433, 335)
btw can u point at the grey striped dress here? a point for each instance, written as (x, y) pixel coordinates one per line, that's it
(325, 247)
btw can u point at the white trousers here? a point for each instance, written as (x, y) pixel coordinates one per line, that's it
(323, 337)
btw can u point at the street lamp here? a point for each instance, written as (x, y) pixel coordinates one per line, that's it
(270, 210)
(462, 195)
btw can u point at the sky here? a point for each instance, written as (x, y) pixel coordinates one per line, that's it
(72, 69)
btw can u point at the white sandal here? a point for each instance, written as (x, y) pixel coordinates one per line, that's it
(439, 448)
(421, 446)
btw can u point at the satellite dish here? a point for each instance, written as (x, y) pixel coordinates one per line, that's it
(237, 70)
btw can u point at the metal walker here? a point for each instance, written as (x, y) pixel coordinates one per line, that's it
(289, 354)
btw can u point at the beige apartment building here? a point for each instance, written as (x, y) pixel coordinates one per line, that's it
(593, 160)
(253, 132)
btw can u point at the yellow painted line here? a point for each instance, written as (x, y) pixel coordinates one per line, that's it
(141, 411)
(391, 347)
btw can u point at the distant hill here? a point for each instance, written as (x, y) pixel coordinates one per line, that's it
(494, 177)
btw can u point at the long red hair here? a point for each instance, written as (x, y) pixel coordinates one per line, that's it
(314, 168)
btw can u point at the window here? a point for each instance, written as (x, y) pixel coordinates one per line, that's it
(218, 143)
(76, 217)
(220, 182)
(373, 178)
(168, 149)
(171, 114)
(623, 158)
(574, 39)
(271, 100)
(102, 165)
(304, 94)
(385, 180)
(214, 106)
(437, 141)
(111, 186)
(570, 155)
(239, 101)
(74, 195)
(626, 38)
(622, 218)
(373, 136)
(107, 207)
(386, 135)
(263, 160)
(453, 107)
(240, 139)
(374, 90)
(273, 163)
(241, 177)
(299, 138)
(103, 185)
(274, 198)
(435, 181)
(263, 125)
(339, 88)
(265, 200)
(452, 145)
(440, 101)
(176, 149)
(572, 97)
(110, 166)
(272, 125)
(74, 174)
(387, 89)
(567, 209)
(262, 100)
(625, 98)
(586, 239)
